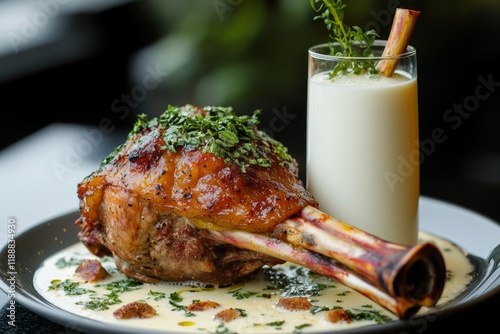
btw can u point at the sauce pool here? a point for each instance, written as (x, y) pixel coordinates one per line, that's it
(255, 300)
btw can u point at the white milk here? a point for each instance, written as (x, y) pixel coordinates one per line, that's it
(362, 152)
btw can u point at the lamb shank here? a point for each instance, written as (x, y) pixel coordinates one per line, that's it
(202, 195)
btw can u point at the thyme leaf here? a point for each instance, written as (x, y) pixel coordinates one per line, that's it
(352, 40)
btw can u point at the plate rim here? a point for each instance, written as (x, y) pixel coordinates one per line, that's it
(37, 304)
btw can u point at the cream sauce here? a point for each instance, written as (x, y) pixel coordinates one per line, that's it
(262, 316)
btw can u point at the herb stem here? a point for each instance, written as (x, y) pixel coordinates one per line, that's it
(346, 37)
(340, 24)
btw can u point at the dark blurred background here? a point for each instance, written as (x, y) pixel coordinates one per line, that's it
(82, 61)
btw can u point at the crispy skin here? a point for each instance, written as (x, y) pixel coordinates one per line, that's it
(147, 205)
(153, 247)
(199, 186)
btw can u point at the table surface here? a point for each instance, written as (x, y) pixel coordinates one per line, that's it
(43, 170)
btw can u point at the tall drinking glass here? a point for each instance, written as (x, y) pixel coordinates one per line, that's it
(363, 144)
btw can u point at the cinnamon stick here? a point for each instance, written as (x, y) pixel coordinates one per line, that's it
(399, 37)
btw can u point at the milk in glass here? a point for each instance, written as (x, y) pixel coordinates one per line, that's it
(363, 151)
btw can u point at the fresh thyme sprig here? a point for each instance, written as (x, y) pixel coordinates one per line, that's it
(351, 40)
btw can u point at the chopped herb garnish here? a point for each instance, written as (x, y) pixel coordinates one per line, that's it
(298, 328)
(174, 296)
(157, 295)
(110, 157)
(179, 307)
(344, 293)
(373, 315)
(298, 282)
(217, 130)
(241, 312)
(175, 299)
(221, 329)
(240, 294)
(318, 309)
(101, 303)
(276, 324)
(124, 285)
(70, 288)
(97, 303)
(357, 314)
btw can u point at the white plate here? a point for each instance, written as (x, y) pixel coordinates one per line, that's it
(475, 234)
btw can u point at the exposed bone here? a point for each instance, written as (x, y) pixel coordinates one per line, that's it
(399, 37)
(416, 273)
(398, 277)
(318, 263)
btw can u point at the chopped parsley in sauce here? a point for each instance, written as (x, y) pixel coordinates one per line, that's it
(254, 302)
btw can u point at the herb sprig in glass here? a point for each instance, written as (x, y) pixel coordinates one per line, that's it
(352, 41)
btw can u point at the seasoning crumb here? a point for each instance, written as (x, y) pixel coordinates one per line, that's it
(91, 270)
(135, 310)
(294, 303)
(202, 305)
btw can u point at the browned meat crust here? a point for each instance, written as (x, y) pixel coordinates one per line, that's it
(199, 186)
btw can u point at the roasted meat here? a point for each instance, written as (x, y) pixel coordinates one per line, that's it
(146, 205)
(202, 195)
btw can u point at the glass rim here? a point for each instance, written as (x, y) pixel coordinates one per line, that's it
(410, 51)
